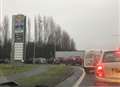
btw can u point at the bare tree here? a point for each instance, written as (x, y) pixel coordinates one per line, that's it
(28, 34)
(35, 29)
(40, 30)
(65, 40)
(52, 30)
(6, 29)
(72, 45)
(51, 36)
(58, 37)
(6, 48)
(1, 36)
(1, 43)
(46, 32)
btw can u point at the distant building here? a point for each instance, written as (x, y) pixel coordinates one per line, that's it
(66, 54)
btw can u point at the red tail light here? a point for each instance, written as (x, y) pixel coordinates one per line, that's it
(99, 71)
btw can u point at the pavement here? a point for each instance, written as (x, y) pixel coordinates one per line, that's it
(69, 82)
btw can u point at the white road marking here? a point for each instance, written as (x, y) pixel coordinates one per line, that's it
(80, 79)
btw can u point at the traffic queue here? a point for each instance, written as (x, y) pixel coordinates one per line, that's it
(105, 65)
(72, 60)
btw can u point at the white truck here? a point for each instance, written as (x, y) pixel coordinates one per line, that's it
(91, 59)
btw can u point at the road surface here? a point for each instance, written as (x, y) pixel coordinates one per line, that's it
(90, 81)
(70, 81)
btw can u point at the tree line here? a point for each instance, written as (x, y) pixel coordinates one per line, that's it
(48, 38)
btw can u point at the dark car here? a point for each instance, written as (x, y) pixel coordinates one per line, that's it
(78, 60)
(73, 60)
(59, 60)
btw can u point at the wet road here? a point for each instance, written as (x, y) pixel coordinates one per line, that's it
(90, 81)
(70, 81)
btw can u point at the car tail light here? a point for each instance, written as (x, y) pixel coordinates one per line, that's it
(99, 71)
(117, 53)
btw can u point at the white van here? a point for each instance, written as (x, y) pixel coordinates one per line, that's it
(91, 59)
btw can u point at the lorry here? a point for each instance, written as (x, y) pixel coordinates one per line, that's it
(91, 59)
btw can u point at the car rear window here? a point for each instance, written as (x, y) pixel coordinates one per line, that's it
(111, 56)
(90, 55)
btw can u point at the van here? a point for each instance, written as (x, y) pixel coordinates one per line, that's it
(91, 59)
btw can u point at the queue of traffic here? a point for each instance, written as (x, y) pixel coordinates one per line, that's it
(72, 60)
(105, 65)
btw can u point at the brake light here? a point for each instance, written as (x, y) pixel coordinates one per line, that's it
(117, 53)
(99, 71)
(100, 67)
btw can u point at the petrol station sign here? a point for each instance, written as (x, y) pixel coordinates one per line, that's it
(18, 30)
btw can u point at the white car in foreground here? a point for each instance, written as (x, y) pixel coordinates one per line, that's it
(108, 69)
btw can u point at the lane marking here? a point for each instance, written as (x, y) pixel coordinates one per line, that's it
(80, 79)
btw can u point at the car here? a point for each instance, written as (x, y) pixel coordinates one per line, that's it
(58, 60)
(39, 60)
(108, 68)
(73, 60)
(78, 60)
(68, 60)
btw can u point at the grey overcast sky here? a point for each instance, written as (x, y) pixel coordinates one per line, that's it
(92, 23)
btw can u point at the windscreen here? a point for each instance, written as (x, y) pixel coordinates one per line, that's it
(89, 56)
(58, 43)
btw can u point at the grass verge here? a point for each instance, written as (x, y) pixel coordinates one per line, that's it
(8, 69)
(52, 77)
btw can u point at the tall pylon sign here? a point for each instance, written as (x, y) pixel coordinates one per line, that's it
(18, 37)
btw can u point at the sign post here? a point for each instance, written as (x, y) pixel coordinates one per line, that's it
(18, 38)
